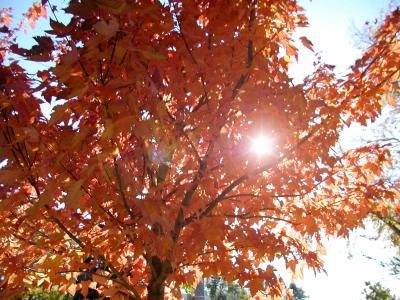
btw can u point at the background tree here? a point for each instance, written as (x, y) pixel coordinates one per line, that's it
(219, 289)
(384, 131)
(388, 222)
(39, 294)
(298, 292)
(377, 292)
(386, 219)
(146, 164)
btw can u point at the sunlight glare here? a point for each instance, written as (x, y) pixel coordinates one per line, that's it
(261, 145)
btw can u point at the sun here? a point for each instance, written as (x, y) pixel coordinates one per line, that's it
(261, 145)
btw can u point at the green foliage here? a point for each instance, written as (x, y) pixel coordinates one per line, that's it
(395, 266)
(298, 292)
(188, 288)
(39, 294)
(377, 292)
(220, 289)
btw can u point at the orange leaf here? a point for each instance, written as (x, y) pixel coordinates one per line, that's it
(307, 43)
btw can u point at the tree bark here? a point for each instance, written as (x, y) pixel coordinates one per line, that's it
(160, 271)
(155, 292)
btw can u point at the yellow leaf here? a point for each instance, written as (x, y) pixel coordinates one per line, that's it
(72, 289)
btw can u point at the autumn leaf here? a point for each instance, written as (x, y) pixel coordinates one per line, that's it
(74, 192)
(307, 43)
(40, 52)
(58, 28)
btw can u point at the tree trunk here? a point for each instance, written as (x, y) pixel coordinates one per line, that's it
(155, 292)
(160, 271)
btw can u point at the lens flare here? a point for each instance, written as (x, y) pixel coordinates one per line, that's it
(261, 145)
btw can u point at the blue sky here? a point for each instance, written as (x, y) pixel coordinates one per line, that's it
(332, 26)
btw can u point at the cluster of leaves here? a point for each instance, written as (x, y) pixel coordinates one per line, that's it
(144, 164)
(385, 132)
(377, 292)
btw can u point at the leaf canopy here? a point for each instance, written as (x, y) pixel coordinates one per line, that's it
(142, 178)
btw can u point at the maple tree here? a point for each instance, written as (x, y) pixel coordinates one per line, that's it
(143, 177)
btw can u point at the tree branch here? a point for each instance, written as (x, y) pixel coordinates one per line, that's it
(179, 222)
(121, 188)
(245, 177)
(122, 279)
(247, 216)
